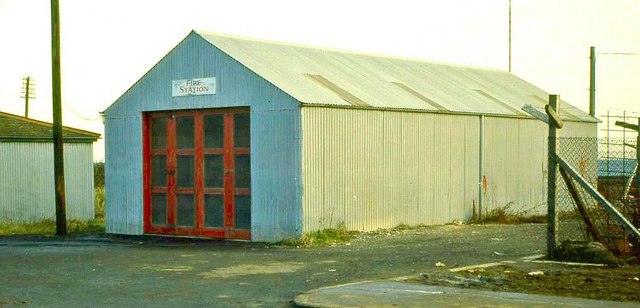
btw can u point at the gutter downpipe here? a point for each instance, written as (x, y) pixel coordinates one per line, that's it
(480, 165)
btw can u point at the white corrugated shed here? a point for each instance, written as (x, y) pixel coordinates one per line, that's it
(26, 169)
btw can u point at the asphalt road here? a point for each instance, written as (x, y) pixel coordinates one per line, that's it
(106, 271)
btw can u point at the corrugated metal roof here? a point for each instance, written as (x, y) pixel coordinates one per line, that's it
(318, 76)
(20, 129)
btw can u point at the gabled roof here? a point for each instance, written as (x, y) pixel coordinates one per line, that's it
(318, 76)
(14, 128)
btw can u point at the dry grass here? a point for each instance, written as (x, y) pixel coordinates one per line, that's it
(505, 215)
(48, 227)
(322, 238)
(99, 202)
(608, 283)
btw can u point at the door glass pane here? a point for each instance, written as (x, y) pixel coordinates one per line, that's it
(213, 170)
(213, 211)
(243, 212)
(185, 171)
(158, 133)
(159, 170)
(213, 131)
(185, 132)
(159, 209)
(243, 171)
(186, 210)
(241, 130)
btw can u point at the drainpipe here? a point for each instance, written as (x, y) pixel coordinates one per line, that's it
(480, 165)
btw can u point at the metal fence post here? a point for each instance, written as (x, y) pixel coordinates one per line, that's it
(552, 220)
(637, 195)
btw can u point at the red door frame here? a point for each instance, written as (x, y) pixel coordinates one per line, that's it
(229, 191)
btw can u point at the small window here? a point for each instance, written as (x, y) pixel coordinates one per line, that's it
(214, 131)
(241, 126)
(158, 133)
(185, 132)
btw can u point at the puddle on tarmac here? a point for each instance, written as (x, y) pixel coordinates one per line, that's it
(168, 268)
(253, 269)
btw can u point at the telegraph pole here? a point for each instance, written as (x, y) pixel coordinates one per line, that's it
(592, 81)
(28, 91)
(58, 160)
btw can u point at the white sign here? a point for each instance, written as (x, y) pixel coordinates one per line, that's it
(196, 86)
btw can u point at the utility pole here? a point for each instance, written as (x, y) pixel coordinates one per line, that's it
(592, 82)
(28, 91)
(58, 158)
(553, 112)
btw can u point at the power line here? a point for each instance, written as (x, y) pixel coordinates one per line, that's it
(619, 53)
(78, 114)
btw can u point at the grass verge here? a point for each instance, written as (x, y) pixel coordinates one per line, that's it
(48, 227)
(505, 215)
(620, 284)
(323, 238)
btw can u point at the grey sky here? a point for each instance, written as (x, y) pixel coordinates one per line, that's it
(108, 45)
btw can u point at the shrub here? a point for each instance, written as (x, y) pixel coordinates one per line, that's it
(99, 202)
(325, 237)
(98, 174)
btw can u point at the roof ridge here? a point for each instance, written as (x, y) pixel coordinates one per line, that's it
(338, 50)
(48, 125)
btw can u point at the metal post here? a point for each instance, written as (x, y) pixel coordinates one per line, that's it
(480, 166)
(592, 82)
(638, 164)
(58, 159)
(552, 220)
(26, 97)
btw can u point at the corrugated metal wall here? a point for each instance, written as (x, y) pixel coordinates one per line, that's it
(275, 149)
(515, 162)
(26, 185)
(377, 169)
(123, 174)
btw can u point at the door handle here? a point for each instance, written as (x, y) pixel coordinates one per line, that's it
(228, 170)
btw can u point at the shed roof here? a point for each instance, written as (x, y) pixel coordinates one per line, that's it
(320, 76)
(14, 128)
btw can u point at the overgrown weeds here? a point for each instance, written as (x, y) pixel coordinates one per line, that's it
(322, 238)
(585, 252)
(99, 202)
(506, 215)
(399, 229)
(47, 227)
(98, 174)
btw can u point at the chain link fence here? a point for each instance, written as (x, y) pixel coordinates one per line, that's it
(609, 165)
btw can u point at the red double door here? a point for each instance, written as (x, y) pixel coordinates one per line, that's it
(198, 173)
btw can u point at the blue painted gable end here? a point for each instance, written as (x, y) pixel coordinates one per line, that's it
(275, 137)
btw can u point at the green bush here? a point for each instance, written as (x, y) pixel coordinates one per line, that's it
(99, 202)
(325, 237)
(98, 174)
